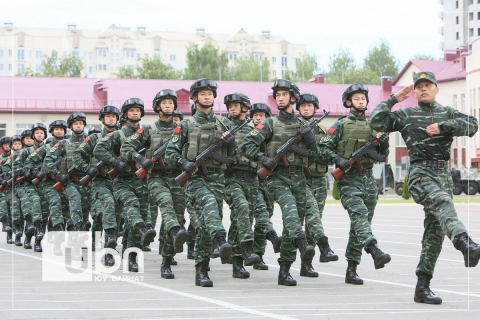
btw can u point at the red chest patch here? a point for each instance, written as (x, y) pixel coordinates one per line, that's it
(177, 130)
(260, 126)
(110, 134)
(331, 130)
(37, 150)
(140, 131)
(87, 139)
(56, 144)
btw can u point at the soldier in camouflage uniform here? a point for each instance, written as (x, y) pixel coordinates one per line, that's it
(177, 116)
(206, 189)
(286, 183)
(163, 189)
(316, 172)
(110, 210)
(241, 192)
(358, 189)
(4, 211)
(428, 130)
(130, 191)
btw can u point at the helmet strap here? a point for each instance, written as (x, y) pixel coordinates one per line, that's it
(78, 132)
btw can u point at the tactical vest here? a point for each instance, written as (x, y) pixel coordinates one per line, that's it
(281, 133)
(158, 137)
(94, 161)
(131, 166)
(318, 169)
(245, 164)
(355, 134)
(200, 137)
(67, 161)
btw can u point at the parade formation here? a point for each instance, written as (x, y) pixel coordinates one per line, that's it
(121, 178)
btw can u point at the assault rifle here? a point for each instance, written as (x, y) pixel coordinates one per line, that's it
(71, 174)
(291, 145)
(210, 152)
(28, 176)
(157, 156)
(358, 154)
(40, 176)
(86, 180)
(114, 172)
(3, 184)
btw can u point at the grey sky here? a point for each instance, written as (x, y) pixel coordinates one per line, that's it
(411, 26)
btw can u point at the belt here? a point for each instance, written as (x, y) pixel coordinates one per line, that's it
(434, 164)
(363, 172)
(211, 170)
(167, 171)
(243, 173)
(291, 169)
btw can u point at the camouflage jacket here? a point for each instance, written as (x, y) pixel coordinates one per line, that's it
(58, 150)
(37, 156)
(7, 164)
(412, 123)
(19, 160)
(85, 151)
(328, 144)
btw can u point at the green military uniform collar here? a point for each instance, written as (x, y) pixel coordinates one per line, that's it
(75, 138)
(237, 122)
(128, 129)
(427, 105)
(164, 124)
(355, 116)
(288, 117)
(201, 116)
(105, 131)
(37, 145)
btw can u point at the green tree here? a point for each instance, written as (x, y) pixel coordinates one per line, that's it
(52, 66)
(126, 73)
(423, 57)
(306, 66)
(335, 191)
(340, 65)
(247, 68)
(405, 193)
(381, 60)
(154, 68)
(205, 62)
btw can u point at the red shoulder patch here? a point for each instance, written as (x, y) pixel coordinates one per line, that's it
(110, 134)
(87, 139)
(140, 131)
(260, 126)
(1, 161)
(20, 154)
(177, 130)
(331, 130)
(56, 144)
(37, 150)
(11, 156)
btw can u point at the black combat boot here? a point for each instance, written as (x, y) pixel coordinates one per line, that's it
(275, 240)
(470, 250)
(306, 269)
(307, 252)
(132, 262)
(29, 228)
(179, 237)
(146, 249)
(191, 251)
(18, 234)
(146, 233)
(6, 225)
(238, 269)
(249, 256)
(224, 249)
(111, 239)
(326, 254)
(379, 257)
(109, 260)
(423, 294)
(215, 253)
(352, 276)
(9, 237)
(39, 230)
(37, 246)
(88, 226)
(174, 262)
(261, 265)
(201, 274)
(284, 277)
(27, 244)
(165, 269)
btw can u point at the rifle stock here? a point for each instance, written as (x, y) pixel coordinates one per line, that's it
(182, 178)
(21, 179)
(86, 180)
(113, 173)
(36, 182)
(2, 188)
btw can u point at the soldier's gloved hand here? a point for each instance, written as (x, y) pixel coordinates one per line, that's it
(92, 172)
(147, 164)
(187, 166)
(40, 175)
(343, 164)
(307, 134)
(63, 178)
(25, 173)
(384, 141)
(229, 139)
(267, 162)
(3, 183)
(119, 165)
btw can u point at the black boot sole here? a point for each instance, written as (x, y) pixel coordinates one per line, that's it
(309, 254)
(168, 276)
(383, 261)
(132, 269)
(324, 259)
(241, 275)
(149, 237)
(36, 249)
(260, 267)
(180, 239)
(251, 262)
(204, 283)
(282, 282)
(350, 281)
(225, 251)
(174, 262)
(309, 275)
(112, 244)
(419, 300)
(27, 246)
(471, 260)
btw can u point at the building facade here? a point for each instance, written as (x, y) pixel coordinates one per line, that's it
(103, 52)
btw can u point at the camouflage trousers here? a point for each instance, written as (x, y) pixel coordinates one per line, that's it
(206, 192)
(111, 210)
(433, 190)
(25, 207)
(3, 206)
(39, 203)
(54, 202)
(170, 198)
(316, 196)
(12, 205)
(153, 208)
(264, 208)
(192, 215)
(241, 196)
(288, 190)
(132, 193)
(358, 195)
(78, 198)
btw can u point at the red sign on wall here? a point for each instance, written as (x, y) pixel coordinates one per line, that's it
(478, 152)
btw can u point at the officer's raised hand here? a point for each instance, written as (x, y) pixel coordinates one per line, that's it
(267, 162)
(403, 94)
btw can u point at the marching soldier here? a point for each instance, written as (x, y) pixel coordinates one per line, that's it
(177, 116)
(358, 188)
(428, 130)
(4, 215)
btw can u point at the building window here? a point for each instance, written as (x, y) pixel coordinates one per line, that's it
(23, 126)
(232, 56)
(284, 62)
(20, 68)
(1, 67)
(9, 67)
(458, 35)
(274, 73)
(3, 129)
(274, 59)
(172, 57)
(90, 69)
(456, 4)
(470, 16)
(478, 32)
(21, 54)
(102, 53)
(258, 56)
(1, 53)
(456, 19)
(138, 56)
(90, 55)
(478, 15)
(9, 53)
(101, 67)
(129, 53)
(38, 54)
(470, 32)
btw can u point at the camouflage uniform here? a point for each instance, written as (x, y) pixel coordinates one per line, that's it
(429, 183)
(12, 202)
(358, 190)
(264, 207)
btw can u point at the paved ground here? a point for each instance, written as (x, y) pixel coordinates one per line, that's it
(386, 294)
